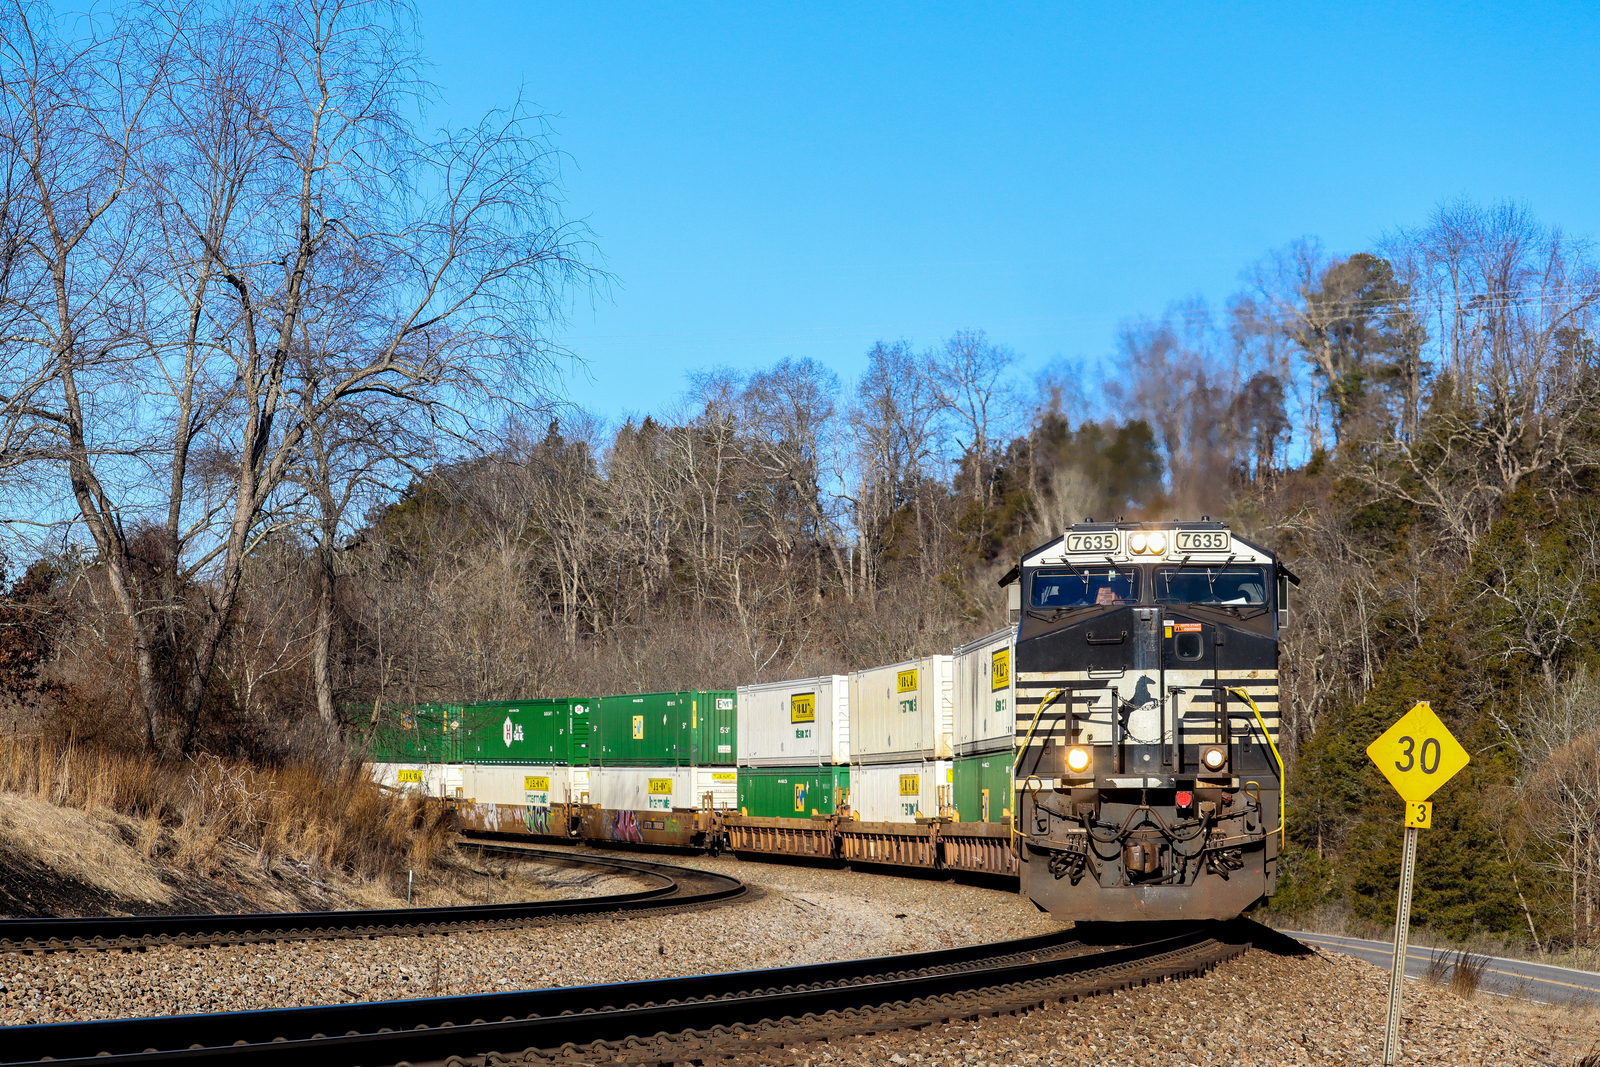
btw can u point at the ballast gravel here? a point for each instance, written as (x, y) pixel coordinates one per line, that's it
(1260, 1010)
(808, 915)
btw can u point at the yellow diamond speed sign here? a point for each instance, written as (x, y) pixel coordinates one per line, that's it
(1418, 754)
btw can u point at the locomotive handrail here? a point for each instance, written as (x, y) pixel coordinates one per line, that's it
(1283, 838)
(1049, 698)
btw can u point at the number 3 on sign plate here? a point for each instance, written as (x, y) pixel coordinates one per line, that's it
(1419, 813)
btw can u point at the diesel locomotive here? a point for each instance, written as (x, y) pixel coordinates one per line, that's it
(1148, 782)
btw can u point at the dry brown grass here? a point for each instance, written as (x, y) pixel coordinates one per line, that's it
(192, 811)
(86, 847)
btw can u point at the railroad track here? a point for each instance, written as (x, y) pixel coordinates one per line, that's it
(676, 889)
(651, 1022)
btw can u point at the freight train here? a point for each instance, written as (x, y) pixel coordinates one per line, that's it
(1115, 748)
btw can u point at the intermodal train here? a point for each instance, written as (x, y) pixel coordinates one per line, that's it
(1114, 748)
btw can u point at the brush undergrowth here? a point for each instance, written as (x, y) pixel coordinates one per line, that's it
(1460, 972)
(191, 812)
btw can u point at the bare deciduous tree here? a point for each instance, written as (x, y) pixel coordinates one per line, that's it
(237, 234)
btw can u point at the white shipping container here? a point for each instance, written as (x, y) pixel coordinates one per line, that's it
(525, 783)
(900, 792)
(801, 723)
(985, 695)
(903, 711)
(430, 779)
(518, 797)
(662, 788)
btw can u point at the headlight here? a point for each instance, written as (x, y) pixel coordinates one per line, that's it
(1215, 758)
(1137, 542)
(1077, 760)
(1158, 543)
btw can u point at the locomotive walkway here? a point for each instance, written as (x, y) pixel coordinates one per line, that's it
(1516, 978)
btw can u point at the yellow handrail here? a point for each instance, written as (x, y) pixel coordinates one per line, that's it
(1283, 841)
(1049, 698)
(1016, 765)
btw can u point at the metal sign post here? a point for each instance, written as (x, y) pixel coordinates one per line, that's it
(1418, 754)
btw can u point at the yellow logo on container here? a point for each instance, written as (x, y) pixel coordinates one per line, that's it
(661, 787)
(907, 681)
(724, 776)
(803, 707)
(536, 785)
(638, 727)
(800, 797)
(909, 786)
(1000, 669)
(411, 776)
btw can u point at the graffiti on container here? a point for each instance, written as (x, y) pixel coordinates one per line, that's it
(623, 826)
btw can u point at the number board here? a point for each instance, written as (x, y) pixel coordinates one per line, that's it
(411, 776)
(999, 669)
(661, 787)
(909, 786)
(906, 681)
(1098, 543)
(535, 785)
(1418, 754)
(803, 707)
(1201, 540)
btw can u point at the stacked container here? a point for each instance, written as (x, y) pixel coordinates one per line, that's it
(689, 729)
(900, 792)
(901, 739)
(794, 747)
(660, 751)
(419, 750)
(548, 732)
(527, 754)
(662, 788)
(985, 728)
(425, 733)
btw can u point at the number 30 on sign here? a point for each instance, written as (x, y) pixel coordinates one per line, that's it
(1418, 755)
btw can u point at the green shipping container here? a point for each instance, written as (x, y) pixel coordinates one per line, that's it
(689, 729)
(792, 792)
(714, 721)
(422, 733)
(527, 731)
(972, 777)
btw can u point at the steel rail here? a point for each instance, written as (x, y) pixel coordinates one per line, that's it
(138, 931)
(551, 1019)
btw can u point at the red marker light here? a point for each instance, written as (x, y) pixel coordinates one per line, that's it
(1185, 799)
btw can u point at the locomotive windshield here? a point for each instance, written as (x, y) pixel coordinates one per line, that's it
(1210, 585)
(1086, 586)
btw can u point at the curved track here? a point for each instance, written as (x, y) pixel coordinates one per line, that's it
(654, 1021)
(677, 889)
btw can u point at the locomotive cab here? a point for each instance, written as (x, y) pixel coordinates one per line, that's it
(1148, 782)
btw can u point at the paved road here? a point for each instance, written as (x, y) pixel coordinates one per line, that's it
(1517, 978)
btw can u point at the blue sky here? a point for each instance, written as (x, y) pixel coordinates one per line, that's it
(802, 180)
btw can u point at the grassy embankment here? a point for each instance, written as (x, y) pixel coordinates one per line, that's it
(133, 826)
